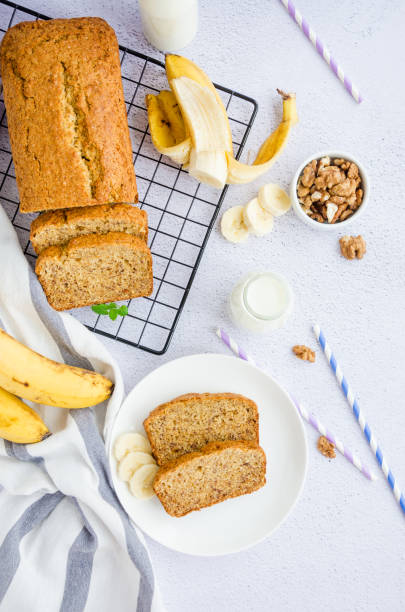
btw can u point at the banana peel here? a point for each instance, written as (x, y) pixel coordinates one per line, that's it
(239, 173)
(168, 130)
(173, 133)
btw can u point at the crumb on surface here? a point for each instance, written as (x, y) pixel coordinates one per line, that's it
(326, 448)
(304, 352)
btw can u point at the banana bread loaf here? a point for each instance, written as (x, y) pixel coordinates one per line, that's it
(66, 114)
(191, 421)
(220, 471)
(95, 269)
(57, 227)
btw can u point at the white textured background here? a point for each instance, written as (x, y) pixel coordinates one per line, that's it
(343, 548)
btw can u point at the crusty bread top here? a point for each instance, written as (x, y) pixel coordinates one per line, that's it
(221, 470)
(189, 422)
(59, 226)
(66, 114)
(95, 269)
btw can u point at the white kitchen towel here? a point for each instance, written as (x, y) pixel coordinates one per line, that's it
(65, 541)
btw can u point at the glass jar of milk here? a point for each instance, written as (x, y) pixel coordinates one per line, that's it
(261, 302)
(169, 25)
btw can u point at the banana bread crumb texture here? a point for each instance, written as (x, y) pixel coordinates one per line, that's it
(221, 470)
(66, 114)
(191, 421)
(95, 269)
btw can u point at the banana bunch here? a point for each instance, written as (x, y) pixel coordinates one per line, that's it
(136, 466)
(190, 124)
(28, 375)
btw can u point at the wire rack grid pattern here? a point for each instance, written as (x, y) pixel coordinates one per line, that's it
(181, 211)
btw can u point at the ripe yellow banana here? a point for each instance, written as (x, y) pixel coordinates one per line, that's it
(18, 422)
(41, 380)
(167, 127)
(270, 150)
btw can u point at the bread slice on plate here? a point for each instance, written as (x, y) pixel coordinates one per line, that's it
(191, 421)
(95, 269)
(54, 228)
(221, 470)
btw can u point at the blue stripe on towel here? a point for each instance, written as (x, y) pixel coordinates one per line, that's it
(10, 548)
(78, 571)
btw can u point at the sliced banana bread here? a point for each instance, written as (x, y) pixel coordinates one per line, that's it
(191, 421)
(57, 227)
(219, 471)
(95, 269)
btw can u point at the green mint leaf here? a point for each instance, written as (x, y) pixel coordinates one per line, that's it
(111, 305)
(123, 310)
(100, 309)
(113, 314)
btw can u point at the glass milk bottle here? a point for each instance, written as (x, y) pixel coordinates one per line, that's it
(261, 302)
(169, 25)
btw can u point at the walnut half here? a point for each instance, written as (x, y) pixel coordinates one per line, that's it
(304, 352)
(352, 247)
(326, 448)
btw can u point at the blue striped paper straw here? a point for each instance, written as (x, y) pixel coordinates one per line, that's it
(364, 426)
(307, 416)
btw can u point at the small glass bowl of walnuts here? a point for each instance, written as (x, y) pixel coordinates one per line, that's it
(329, 190)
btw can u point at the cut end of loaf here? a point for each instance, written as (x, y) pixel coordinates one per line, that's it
(220, 471)
(95, 269)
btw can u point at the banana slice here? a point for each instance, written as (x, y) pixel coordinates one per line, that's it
(233, 227)
(141, 483)
(274, 199)
(132, 462)
(258, 220)
(128, 442)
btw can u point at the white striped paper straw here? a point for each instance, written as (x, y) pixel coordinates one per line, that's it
(364, 426)
(322, 50)
(310, 418)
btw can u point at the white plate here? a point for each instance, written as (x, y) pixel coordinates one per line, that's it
(237, 523)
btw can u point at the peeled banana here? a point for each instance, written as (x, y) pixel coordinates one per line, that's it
(178, 66)
(39, 379)
(207, 138)
(208, 128)
(18, 422)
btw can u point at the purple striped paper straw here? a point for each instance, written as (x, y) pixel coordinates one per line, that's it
(322, 50)
(308, 417)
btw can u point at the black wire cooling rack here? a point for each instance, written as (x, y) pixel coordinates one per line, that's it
(181, 211)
